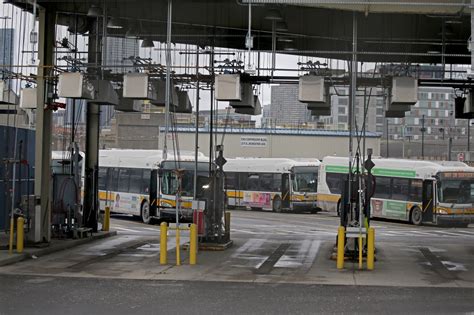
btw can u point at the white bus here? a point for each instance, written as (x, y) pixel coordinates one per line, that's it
(409, 190)
(140, 183)
(271, 184)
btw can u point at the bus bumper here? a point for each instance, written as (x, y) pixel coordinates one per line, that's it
(454, 219)
(304, 206)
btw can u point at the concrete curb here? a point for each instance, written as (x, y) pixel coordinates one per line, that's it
(54, 248)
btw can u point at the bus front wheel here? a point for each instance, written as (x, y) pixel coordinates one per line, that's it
(276, 204)
(145, 212)
(416, 216)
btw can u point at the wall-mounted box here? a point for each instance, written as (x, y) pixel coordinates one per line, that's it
(404, 90)
(311, 89)
(75, 85)
(228, 87)
(28, 98)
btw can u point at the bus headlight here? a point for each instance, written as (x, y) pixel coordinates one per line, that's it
(442, 211)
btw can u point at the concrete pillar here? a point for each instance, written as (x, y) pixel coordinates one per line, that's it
(91, 164)
(41, 219)
(91, 201)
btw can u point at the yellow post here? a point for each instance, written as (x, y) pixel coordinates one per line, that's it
(193, 244)
(361, 249)
(370, 248)
(227, 225)
(163, 243)
(20, 234)
(340, 247)
(106, 226)
(178, 256)
(12, 230)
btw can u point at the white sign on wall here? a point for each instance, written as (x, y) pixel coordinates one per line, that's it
(253, 141)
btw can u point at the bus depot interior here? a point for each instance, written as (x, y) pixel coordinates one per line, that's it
(275, 211)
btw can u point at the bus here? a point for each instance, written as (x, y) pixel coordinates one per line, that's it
(141, 183)
(271, 184)
(416, 191)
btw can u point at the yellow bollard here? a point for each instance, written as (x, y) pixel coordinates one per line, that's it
(227, 225)
(193, 244)
(361, 249)
(178, 257)
(106, 226)
(370, 248)
(340, 247)
(20, 234)
(12, 230)
(163, 243)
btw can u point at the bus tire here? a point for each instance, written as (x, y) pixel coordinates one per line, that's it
(416, 216)
(145, 212)
(276, 205)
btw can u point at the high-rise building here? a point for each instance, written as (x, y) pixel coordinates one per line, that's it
(285, 109)
(6, 51)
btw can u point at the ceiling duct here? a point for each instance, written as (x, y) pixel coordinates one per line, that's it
(28, 98)
(105, 94)
(228, 87)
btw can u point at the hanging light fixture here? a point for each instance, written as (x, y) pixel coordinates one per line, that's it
(289, 47)
(147, 43)
(94, 11)
(273, 15)
(281, 26)
(114, 23)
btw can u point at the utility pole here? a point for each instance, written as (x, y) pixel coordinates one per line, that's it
(423, 137)
(468, 135)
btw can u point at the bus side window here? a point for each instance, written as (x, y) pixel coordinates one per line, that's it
(230, 180)
(146, 181)
(102, 178)
(243, 181)
(266, 182)
(382, 187)
(135, 180)
(124, 180)
(276, 182)
(112, 183)
(335, 182)
(400, 188)
(415, 190)
(253, 182)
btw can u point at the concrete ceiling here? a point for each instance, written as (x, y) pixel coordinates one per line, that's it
(388, 31)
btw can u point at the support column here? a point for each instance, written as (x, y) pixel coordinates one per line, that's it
(91, 204)
(91, 164)
(41, 220)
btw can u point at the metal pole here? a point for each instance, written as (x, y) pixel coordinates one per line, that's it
(273, 45)
(388, 138)
(196, 141)
(168, 80)
(423, 137)
(468, 135)
(352, 98)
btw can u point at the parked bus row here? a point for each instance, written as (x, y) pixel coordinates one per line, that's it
(139, 182)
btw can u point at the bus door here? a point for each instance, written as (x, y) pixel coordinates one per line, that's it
(428, 200)
(285, 191)
(154, 192)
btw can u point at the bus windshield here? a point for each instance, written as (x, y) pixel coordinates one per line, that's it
(305, 179)
(456, 188)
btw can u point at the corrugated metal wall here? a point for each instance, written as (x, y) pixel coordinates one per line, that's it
(24, 173)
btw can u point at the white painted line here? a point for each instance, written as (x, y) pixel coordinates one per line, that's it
(125, 229)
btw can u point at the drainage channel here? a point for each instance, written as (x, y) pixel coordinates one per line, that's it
(268, 264)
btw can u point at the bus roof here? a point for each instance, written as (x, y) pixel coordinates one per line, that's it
(271, 165)
(406, 167)
(142, 158)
